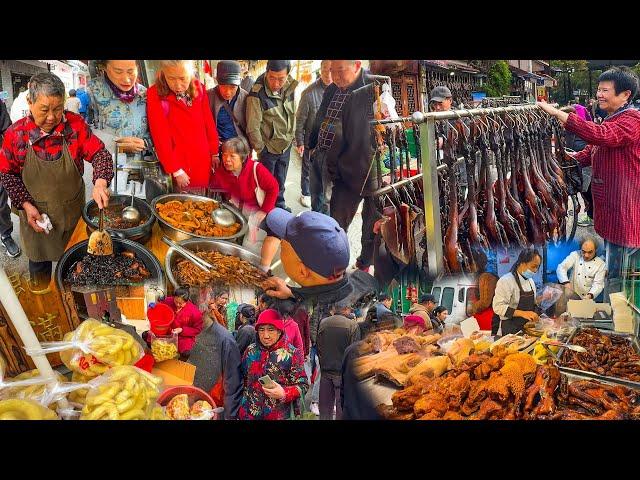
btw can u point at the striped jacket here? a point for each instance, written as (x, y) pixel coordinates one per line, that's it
(614, 152)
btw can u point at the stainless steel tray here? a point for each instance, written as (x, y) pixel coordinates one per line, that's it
(593, 375)
(575, 376)
(177, 234)
(379, 390)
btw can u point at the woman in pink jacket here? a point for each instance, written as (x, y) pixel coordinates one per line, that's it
(187, 322)
(182, 127)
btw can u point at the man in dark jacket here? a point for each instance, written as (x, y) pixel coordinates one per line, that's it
(6, 226)
(349, 157)
(271, 120)
(227, 101)
(347, 76)
(310, 101)
(357, 402)
(335, 334)
(218, 372)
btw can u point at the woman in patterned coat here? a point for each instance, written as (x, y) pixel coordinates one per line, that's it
(271, 355)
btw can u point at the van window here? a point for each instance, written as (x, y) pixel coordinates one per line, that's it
(473, 295)
(435, 291)
(447, 298)
(461, 295)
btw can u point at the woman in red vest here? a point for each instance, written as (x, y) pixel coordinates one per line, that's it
(182, 126)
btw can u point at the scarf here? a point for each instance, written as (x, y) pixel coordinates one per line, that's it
(126, 97)
(626, 106)
(185, 98)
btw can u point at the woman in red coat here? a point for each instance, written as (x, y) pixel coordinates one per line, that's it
(182, 126)
(187, 322)
(239, 177)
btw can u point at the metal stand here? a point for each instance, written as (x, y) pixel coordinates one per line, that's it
(430, 167)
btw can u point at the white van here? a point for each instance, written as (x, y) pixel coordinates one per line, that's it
(456, 294)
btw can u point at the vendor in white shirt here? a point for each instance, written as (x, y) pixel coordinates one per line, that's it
(589, 271)
(515, 300)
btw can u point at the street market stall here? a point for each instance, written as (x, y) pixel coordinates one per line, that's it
(556, 369)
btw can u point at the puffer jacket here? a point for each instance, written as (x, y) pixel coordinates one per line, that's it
(285, 367)
(421, 311)
(310, 101)
(271, 119)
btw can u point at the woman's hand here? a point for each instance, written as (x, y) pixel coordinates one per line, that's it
(32, 214)
(176, 330)
(276, 392)
(554, 112)
(101, 193)
(215, 162)
(183, 180)
(131, 144)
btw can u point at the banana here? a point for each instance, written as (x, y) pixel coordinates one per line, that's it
(125, 406)
(17, 409)
(133, 415)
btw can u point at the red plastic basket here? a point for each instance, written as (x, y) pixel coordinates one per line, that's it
(194, 394)
(160, 318)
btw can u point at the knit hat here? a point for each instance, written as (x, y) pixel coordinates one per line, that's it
(270, 317)
(278, 65)
(411, 320)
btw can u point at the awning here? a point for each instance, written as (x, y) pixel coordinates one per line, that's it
(452, 65)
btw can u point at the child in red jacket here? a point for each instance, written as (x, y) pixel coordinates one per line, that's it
(187, 322)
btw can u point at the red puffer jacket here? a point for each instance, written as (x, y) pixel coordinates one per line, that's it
(189, 319)
(243, 187)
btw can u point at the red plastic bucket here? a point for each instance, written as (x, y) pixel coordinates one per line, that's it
(160, 318)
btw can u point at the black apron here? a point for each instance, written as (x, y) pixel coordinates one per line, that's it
(515, 324)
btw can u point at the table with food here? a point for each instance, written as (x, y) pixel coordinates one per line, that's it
(556, 369)
(114, 374)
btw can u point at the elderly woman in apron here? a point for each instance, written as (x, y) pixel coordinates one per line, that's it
(41, 166)
(253, 189)
(514, 302)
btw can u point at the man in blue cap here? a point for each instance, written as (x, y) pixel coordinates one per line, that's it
(315, 254)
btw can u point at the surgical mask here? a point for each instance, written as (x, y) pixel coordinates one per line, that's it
(528, 274)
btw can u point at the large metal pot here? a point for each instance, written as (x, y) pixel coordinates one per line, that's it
(196, 244)
(178, 234)
(79, 250)
(140, 234)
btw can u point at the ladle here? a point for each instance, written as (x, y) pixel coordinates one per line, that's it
(223, 217)
(131, 213)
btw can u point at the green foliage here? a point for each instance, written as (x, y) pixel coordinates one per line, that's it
(575, 75)
(498, 79)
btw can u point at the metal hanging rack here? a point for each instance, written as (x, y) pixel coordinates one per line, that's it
(430, 169)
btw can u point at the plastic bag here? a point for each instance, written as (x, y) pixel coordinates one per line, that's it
(79, 396)
(20, 409)
(386, 104)
(108, 345)
(28, 385)
(550, 296)
(163, 347)
(122, 393)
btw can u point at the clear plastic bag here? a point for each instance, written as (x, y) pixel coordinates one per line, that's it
(94, 343)
(550, 296)
(23, 409)
(163, 347)
(387, 104)
(122, 393)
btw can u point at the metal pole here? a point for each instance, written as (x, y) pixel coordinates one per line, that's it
(433, 229)
(19, 320)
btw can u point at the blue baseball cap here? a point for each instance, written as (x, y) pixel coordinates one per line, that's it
(317, 239)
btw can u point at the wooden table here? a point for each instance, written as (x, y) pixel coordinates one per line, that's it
(54, 313)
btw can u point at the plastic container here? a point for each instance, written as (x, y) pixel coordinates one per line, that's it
(160, 318)
(194, 394)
